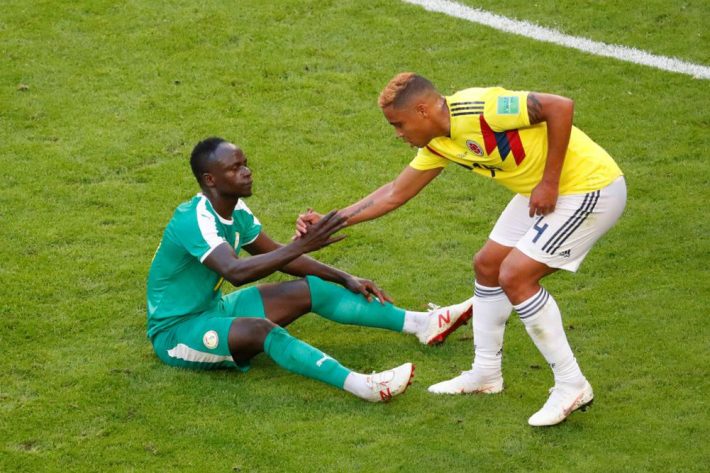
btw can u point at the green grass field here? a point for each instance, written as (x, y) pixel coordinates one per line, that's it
(100, 105)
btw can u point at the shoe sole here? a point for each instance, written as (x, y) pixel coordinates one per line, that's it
(491, 389)
(439, 339)
(411, 378)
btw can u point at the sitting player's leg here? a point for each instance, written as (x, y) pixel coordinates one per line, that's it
(343, 306)
(285, 302)
(198, 342)
(249, 336)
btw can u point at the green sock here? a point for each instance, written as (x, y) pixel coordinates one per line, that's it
(340, 305)
(299, 357)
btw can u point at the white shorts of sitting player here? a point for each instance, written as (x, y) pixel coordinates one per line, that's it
(562, 238)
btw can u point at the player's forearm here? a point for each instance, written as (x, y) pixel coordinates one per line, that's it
(245, 270)
(559, 128)
(380, 202)
(305, 265)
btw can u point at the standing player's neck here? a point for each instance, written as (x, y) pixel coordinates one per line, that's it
(445, 118)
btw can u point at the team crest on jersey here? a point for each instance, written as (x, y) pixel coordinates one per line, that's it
(474, 147)
(210, 339)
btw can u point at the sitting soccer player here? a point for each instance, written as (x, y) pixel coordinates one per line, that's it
(191, 324)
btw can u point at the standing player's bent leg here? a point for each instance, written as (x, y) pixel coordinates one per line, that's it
(543, 322)
(539, 313)
(491, 309)
(562, 240)
(249, 336)
(343, 306)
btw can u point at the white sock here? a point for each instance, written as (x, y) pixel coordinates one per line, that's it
(415, 322)
(356, 384)
(491, 309)
(543, 323)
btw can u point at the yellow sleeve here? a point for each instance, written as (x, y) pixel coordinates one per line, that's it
(426, 159)
(506, 109)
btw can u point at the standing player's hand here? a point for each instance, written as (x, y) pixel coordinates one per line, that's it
(320, 234)
(543, 198)
(304, 220)
(367, 288)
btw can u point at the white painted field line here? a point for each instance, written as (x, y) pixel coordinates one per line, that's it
(549, 35)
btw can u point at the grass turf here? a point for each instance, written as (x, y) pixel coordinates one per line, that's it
(101, 104)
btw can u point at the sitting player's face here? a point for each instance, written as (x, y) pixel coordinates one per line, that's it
(411, 122)
(229, 171)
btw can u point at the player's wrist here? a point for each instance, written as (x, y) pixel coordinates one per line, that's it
(297, 246)
(340, 277)
(550, 181)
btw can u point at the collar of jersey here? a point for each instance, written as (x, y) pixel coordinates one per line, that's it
(221, 219)
(452, 119)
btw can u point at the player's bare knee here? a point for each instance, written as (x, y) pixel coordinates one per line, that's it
(485, 267)
(508, 277)
(247, 336)
(260, 328)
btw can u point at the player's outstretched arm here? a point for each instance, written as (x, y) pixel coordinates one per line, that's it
(384, 200)
(240, 271)
(557, 113)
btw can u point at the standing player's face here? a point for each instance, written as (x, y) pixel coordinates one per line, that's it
(412, 123)
(230, 173)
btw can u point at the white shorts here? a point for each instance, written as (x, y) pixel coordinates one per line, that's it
(562, 238)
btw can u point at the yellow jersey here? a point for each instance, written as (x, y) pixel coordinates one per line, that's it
(491, 135)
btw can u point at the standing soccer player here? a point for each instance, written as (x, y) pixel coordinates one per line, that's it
(569, 192)
(191, 324)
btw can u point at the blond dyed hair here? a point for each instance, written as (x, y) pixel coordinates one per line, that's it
(402, 88)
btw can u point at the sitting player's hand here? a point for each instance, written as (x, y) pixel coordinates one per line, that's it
(367, 288)
(320, 234)
(304, 220)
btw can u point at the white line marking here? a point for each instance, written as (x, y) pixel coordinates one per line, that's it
(549, 35)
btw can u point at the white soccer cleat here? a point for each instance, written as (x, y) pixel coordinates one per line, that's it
(444, 320)
(469, 383)
(561, 403)
(385, 385)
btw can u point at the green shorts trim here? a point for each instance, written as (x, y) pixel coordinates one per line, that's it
(200, 341)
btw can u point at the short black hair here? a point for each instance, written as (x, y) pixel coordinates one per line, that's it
(201, 155)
